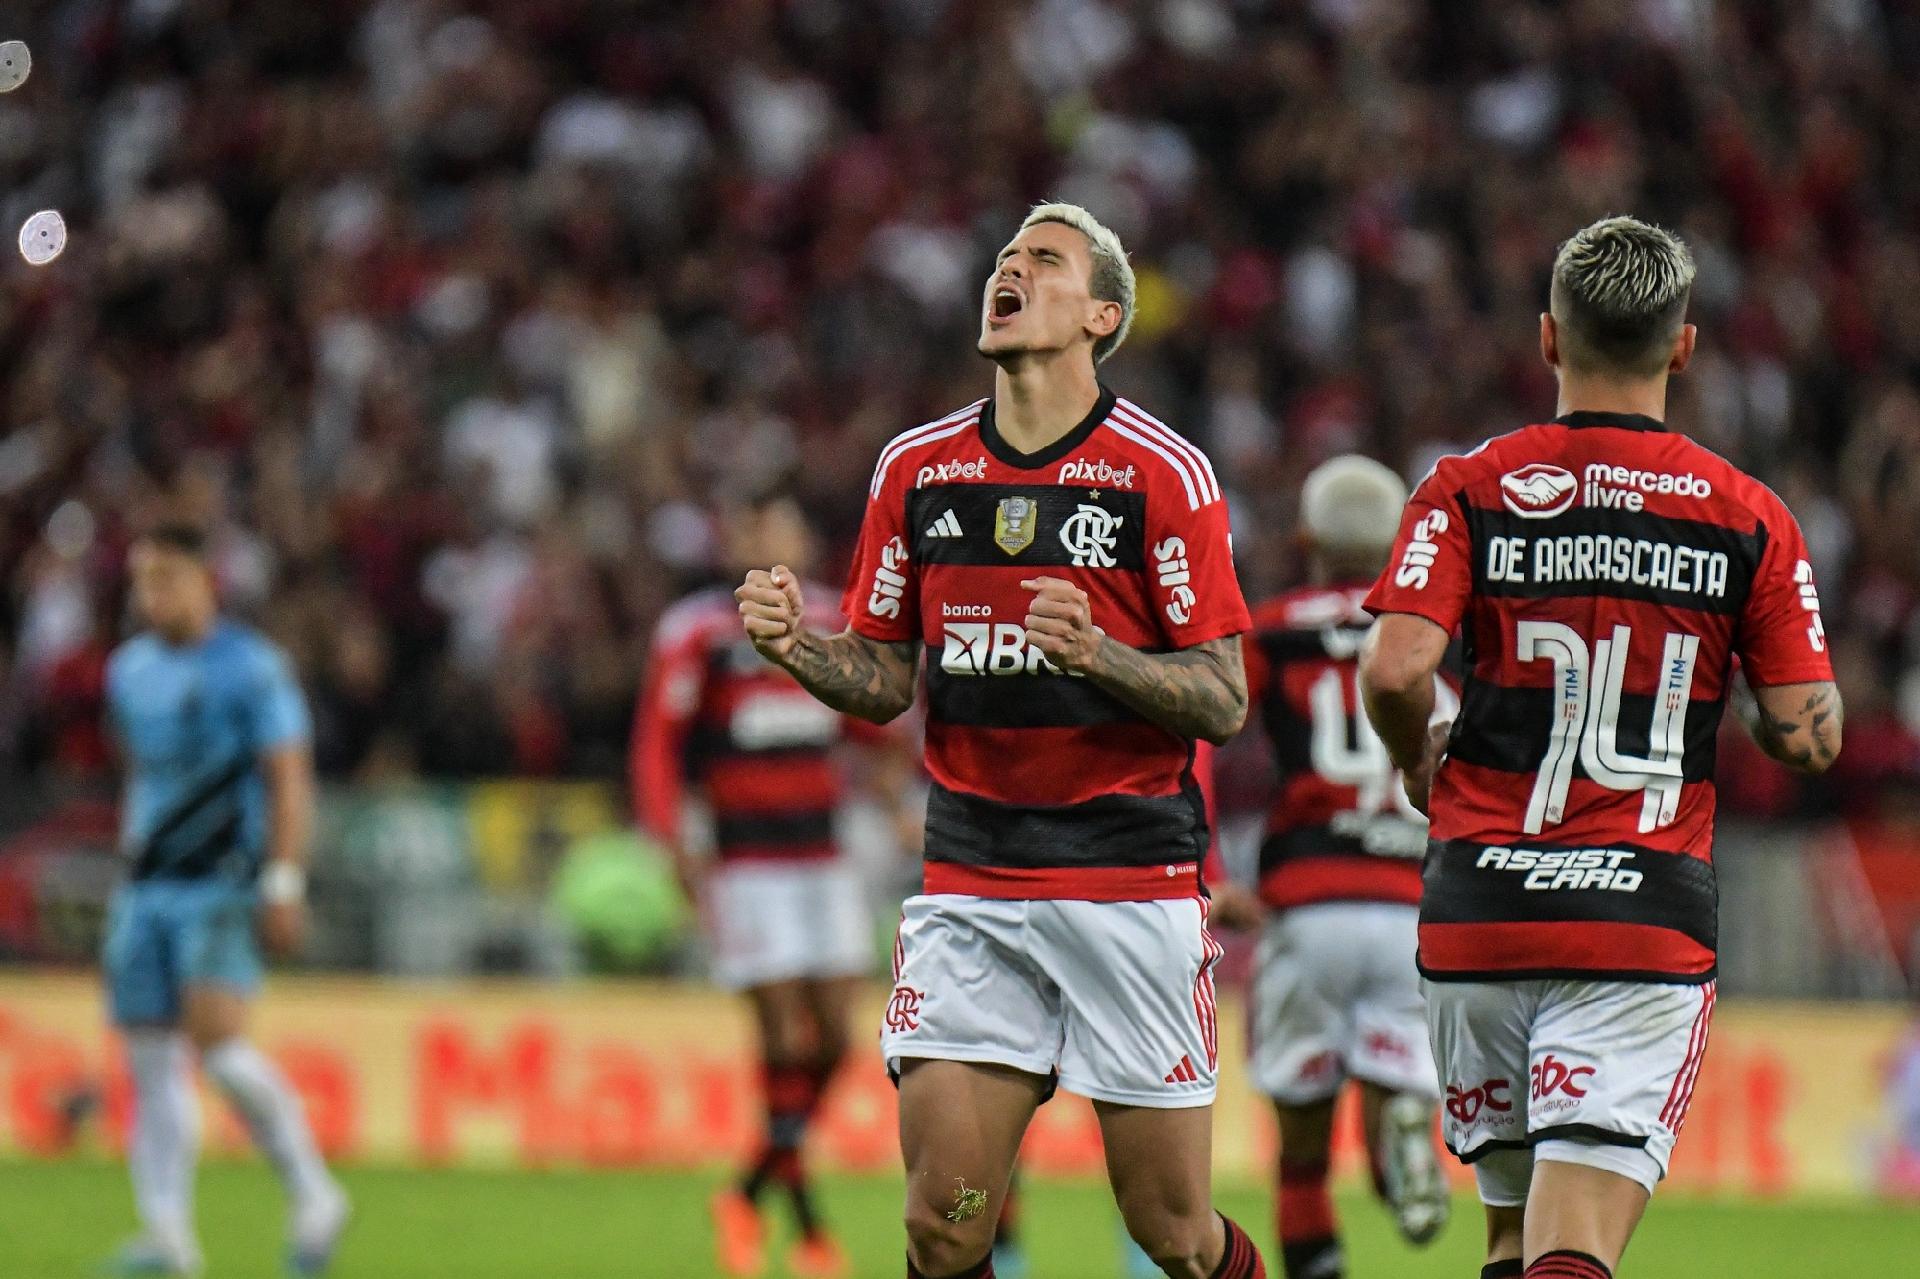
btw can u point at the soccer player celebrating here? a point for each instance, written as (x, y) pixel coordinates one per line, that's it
(789, 919)
(218, 806)
(1336, 996)
(1606, 574)
(1066, 558)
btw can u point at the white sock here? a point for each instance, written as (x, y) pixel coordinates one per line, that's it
(273, 1116)
(166, 1134)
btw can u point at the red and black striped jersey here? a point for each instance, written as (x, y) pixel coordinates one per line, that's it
(1043, 785)
(1340, 826)
(1605, 575)
(714, 714)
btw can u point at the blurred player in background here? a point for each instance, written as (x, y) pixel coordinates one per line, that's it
(1606, 574)
(786, 912)
(1336, 996)
(218, 807)
(1067, 557)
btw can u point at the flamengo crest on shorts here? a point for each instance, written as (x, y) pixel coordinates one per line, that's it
(956, 519)
(1605, 575)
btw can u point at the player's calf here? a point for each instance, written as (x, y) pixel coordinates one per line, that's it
(1308, 1228)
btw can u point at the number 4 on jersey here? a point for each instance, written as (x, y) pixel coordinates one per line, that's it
(1586, 725)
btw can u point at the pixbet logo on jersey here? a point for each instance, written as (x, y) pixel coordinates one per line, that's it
(1539, 490)
(889, 583)
(1466, 1104)
(1081, 471)
(946, 472)
(1170, 565)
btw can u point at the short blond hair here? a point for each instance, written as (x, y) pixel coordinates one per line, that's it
(1619, 298)
(1112, 276)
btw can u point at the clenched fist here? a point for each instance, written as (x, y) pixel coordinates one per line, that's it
(770, 609)
(1060, 623)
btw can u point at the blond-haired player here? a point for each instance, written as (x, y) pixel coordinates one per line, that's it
(1063, 556)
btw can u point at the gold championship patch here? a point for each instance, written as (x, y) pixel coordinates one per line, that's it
(1013, 524)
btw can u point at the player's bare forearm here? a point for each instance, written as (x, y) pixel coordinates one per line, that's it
(1195, 692)
(1396, 684)
(872, 679)
(1798, 724)
(289, 777)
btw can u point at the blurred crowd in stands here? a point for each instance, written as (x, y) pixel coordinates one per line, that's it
(457, 322)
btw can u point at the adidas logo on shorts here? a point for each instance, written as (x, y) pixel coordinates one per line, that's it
(1184, 1073)
(947, 525)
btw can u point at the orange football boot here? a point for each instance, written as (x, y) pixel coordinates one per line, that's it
(738, 1239)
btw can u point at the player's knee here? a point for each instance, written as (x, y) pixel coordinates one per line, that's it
(942, 1246)
(1175, 1236)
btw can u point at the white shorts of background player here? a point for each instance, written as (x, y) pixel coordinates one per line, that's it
(1336, 996)
(777, 921)
(1597, 1073)
(1116, 998)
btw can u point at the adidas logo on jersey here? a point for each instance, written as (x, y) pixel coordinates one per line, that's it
(947, 525)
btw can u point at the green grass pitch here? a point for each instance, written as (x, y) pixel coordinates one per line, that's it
(58, 1219)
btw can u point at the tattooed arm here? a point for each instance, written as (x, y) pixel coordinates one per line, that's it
(1797, 724)
(1198, 692)
(870, 678)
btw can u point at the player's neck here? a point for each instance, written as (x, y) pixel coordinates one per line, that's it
(191, 634)
(1646, 397)
(1037, 400)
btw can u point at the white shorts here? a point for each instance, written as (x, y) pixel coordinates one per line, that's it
(1598, 1073)
(777, 921)
(1336, 996)
(1115, 998)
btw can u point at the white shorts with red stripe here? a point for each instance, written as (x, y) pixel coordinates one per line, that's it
(1116, 998)
(1598, 1073)
(1335, 997)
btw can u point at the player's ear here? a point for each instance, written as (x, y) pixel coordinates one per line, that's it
(1549, 340)
(1103, 320)
(1682, 349)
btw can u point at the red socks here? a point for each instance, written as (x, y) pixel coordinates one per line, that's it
(1565, 1263)
(1308, 1230)
(1241, 1260)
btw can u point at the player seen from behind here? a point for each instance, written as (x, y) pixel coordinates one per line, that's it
(219, 802)
(786, 912)
(1065, 559)
(1335, 994)
(1606, 575)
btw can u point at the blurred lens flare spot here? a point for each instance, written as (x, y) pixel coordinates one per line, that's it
(70, 529)
(43, 236)
(15, 62)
